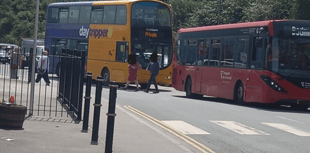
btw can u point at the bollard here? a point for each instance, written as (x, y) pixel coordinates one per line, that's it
(97, 105)
(111, 117)
(87, 102)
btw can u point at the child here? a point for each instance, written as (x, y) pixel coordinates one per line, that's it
(154, 69)
(133, 66)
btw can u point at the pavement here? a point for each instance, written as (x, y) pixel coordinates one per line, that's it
(132, 134)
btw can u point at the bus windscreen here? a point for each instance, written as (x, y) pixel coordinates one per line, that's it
(150, 13)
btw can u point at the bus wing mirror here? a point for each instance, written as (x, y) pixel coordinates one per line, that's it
(258, 43)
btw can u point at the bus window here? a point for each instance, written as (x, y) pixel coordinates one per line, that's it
(121, 15)
(206, 54)
(63, 15)
(215, 52)
(96, 15)
(74, 14)
(71, 44)
(82, 45)
(61, 44)
(200, 52)
(257, 59)
(120, 52)
(191, 53)
(228, 53)
(150, 13)
(109, 14)
(52, 15)
(85, 14)
(241, 53)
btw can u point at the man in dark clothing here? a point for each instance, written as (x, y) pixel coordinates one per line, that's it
(154, 69)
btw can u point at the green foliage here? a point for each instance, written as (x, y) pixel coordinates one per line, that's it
(300, 9)
(17, 17)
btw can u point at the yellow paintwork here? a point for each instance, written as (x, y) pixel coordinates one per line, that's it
(101, 51)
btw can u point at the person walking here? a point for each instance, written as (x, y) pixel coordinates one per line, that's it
(43, 65)
(154, 69)
(133, 67)
(15, 58)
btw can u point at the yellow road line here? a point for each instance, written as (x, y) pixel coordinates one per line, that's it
(170, 129)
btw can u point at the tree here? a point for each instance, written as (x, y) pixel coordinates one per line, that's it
(267, 10)
(300, 9)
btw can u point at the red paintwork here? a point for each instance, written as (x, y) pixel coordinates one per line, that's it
(208, 81)
(255, 89)
(268, 23)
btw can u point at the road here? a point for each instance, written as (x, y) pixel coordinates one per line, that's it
(217, 125)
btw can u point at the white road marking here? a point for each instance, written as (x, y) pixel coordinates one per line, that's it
(184, 127)
(288, 128)
(239, 128)
(290, 119)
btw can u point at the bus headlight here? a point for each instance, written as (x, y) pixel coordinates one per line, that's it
(271, 83)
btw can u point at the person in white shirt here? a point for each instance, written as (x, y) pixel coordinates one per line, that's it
(43, 66)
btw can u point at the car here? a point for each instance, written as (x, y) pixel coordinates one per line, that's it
(4, 57)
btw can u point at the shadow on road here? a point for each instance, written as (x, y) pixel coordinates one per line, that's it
(259, 106)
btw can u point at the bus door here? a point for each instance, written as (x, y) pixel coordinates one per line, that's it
(253, 90)
(200, 59)
(213, 75)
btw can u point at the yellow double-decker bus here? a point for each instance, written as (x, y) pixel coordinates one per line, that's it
(109, 31)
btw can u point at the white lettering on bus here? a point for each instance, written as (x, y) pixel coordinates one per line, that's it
(225, 75)
(84, 32)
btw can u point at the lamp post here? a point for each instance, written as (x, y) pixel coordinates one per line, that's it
(33, 60)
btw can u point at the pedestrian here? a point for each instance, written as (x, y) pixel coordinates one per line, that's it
(43, 65)
(15, 58)
(154, 69)
(133, 67)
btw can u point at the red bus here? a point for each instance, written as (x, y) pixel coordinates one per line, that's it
(264, 62)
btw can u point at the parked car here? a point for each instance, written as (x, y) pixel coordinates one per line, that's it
(4, 57)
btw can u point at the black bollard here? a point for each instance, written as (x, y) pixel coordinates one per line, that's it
(111, 117)
(87, 102)
(97, 105)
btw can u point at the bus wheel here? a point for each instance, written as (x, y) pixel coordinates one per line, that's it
(188, 88)
(300, 107)
(105, 76)
(239, 94)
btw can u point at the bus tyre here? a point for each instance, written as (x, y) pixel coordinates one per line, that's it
(188, 90)
(105, 76)
(239, 94)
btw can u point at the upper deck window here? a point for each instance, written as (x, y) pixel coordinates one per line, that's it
(74, 14)
(96, 15)
(109, 14)
(85, 14)
(63, 15)
(121, 15)
(52, 15)
(150, 13)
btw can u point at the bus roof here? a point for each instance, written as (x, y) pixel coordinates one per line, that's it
(70, 3)
(230, 26)
(60, 4)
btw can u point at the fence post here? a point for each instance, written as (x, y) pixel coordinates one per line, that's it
(111, 117)
(87, 102)
(97, 106)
